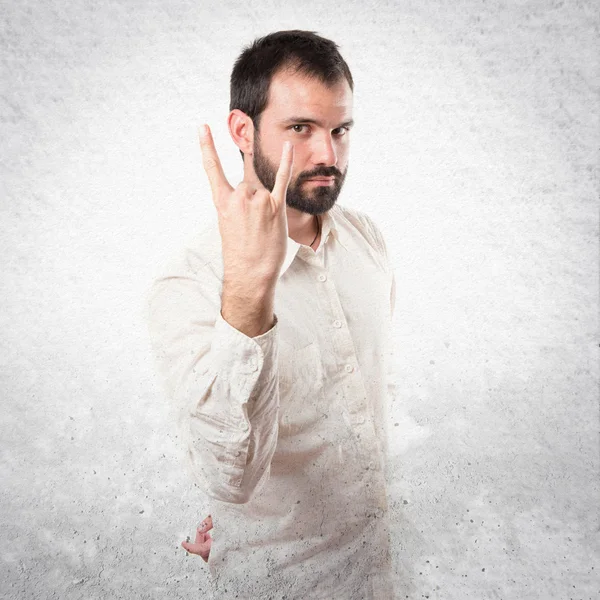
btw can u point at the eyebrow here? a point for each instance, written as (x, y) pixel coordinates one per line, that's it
(299, 120)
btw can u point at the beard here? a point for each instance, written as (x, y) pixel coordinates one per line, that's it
(315, 201)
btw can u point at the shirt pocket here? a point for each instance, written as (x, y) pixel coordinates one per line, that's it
(300, 388)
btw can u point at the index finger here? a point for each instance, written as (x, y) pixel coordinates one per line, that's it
(211, 162)
(284, 173)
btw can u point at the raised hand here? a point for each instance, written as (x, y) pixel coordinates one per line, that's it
(252, 219)
(203, 541)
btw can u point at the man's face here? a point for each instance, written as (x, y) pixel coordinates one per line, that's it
(316, 119)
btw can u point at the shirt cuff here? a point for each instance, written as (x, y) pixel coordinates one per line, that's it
(235, 353)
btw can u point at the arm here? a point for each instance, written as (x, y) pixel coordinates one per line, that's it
(222, 382)
(391, 375)
(216, 342)
(390, 384)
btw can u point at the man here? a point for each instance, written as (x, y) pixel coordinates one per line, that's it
(272, 332)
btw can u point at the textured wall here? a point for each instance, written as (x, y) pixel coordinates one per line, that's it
(475, 149)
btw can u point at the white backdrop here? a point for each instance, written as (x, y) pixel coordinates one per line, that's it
(476, 151)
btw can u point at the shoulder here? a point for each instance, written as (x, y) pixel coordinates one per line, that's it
(364, 225)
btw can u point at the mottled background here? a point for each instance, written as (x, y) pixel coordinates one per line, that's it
(475, 149)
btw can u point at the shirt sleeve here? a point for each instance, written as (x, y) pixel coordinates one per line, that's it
(223, 384)
(391, 383)
(391, 370)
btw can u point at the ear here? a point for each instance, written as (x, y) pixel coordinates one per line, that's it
(241, 130)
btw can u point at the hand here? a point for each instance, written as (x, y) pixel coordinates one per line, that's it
(252, 219)
(201, 545)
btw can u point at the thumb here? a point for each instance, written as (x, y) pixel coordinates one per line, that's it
(284, 173)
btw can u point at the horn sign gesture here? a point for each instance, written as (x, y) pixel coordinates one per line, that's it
(252, 219)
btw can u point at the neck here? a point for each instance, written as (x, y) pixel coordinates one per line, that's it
(305, 232)
(315, 240)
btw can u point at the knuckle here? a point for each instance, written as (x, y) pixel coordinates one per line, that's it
(262, 195)
(245, 190)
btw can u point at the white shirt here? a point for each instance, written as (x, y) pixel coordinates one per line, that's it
(286, 431)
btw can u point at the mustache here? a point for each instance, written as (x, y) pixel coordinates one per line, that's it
(320, 172)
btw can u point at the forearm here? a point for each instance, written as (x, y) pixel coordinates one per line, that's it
(232, 428)
(248, 307)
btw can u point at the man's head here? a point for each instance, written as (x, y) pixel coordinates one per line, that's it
(294, 85)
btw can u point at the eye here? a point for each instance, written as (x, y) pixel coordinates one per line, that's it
(297, 128)
(339, 131)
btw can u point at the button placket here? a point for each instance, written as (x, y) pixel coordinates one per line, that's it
(353, 387)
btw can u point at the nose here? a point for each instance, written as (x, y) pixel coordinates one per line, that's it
(324, 152)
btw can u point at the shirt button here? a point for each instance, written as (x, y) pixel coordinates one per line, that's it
(322, 277)
(360, 419)
(371, 465)
(238, 453)
(349, 368)
(245, 426)
(337, 323)
(252, 363)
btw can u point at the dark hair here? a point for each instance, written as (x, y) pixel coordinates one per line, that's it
(303, 52)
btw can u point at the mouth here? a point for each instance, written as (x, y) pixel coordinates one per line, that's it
(322, 180)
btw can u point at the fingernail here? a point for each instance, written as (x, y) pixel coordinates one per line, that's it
(203, 130)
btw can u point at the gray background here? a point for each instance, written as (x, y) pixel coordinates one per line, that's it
(475, 149)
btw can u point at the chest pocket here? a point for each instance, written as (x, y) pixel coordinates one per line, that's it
(300, 388)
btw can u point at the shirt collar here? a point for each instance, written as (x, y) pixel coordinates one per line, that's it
(330, 226)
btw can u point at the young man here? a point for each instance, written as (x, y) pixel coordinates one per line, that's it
(272, 333)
